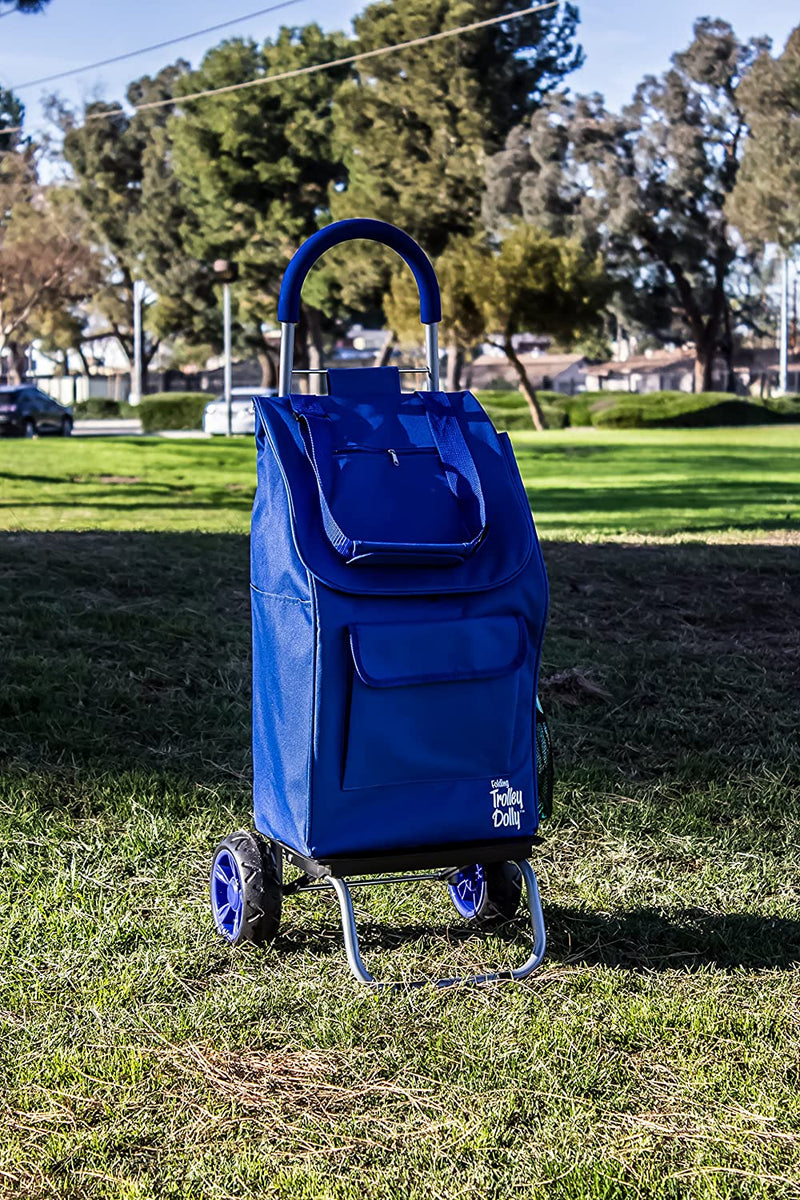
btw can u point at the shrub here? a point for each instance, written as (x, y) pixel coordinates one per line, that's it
(648, 410)
(687, 410)
(101, 408)
(172, 410)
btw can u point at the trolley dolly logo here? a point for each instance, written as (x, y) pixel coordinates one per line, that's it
(507, 805)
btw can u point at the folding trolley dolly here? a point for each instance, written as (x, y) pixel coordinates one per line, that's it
(399, 601)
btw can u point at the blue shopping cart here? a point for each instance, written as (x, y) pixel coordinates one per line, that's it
(399, 601)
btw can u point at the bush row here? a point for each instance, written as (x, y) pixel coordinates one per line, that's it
(101, 408)
(172, 410)
(625, 410)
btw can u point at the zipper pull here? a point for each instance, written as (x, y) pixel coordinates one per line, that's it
(393, 456)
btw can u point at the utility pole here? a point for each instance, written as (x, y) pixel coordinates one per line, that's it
(783, 340)
(136, 382)
(226, 272)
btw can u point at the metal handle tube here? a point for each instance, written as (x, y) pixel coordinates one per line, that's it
(432, 355)
(286, 366)
(345, 231)
(287, 358)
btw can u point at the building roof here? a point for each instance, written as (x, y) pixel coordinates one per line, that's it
(658, 360)
(537, 364)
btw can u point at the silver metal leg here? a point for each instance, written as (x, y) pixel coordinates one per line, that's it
(356, 964)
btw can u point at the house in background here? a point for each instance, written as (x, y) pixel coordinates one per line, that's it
(547, 372)
(653, 371)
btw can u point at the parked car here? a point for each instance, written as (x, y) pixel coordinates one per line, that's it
(243, 414)
(27, 412)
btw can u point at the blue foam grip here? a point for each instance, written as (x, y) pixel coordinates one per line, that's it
(430, 303)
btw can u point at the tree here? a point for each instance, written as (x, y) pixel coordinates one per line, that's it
(413, 127)
(765, 203)
(12, 114)
(22, 6)
(133, 201)
(532, 281)
(462, 321)
(46, 266)
(652, 182)
(255, 168)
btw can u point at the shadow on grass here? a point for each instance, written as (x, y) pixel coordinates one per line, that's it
(124, 650)
(646, 939)
(638, 940)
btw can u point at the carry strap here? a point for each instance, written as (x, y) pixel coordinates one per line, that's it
(457, 461)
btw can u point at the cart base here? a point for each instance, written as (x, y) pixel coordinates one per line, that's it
(460, 855)
(360, 972)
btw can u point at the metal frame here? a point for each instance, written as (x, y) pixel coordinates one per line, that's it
(342, 886)
(286, 367)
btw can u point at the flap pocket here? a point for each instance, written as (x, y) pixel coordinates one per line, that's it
(437, 700)
(438, 652)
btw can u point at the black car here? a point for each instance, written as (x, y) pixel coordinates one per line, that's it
(26, 412)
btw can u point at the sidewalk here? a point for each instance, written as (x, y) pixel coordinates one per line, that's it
(129, 427)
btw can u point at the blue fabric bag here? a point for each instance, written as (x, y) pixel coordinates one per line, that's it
(399, 602)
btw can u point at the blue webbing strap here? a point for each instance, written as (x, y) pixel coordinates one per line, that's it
(318, 439)
(448, 437)
(458, 463)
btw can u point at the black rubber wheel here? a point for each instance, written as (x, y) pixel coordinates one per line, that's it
(66, 427)
(487, 891)
(246, 893)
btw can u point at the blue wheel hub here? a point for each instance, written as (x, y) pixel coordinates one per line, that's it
(227, 902)
(468, 891)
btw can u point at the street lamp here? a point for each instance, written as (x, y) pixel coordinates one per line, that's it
(226, 272)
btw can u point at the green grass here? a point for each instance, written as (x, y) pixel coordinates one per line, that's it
(582, 483)
(655, 1054)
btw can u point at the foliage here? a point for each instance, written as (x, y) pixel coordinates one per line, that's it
(172, 410)
(22, 6)
(46, 265)
(766, 200)
(12, 114)
(532, 281)
(126, 185)
(255, 166)
(412, 128)
(651, 185)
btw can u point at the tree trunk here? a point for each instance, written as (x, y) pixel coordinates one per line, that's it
(704, 368)
(727, 350)
(269, 373)
(18, 368)
(455, 362)
(84, 359)
(526, 387)
(386, 350)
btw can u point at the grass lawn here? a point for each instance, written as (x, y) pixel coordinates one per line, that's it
(655, 1054)
(583, 483)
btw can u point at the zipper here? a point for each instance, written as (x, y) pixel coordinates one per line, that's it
(394, 455)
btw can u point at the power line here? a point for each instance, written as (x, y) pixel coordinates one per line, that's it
(314, 67)
(105, 62)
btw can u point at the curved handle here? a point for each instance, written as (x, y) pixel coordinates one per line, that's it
(373, 231)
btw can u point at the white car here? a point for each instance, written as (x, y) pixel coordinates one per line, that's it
(243, 413)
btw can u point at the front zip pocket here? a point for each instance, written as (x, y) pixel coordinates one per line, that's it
(394, 455)
(436, 700)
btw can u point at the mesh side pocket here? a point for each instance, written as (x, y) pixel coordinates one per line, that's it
(544, 764)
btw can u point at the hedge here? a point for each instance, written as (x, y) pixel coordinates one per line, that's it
(101, 408)
(172, 410)
(650, 410)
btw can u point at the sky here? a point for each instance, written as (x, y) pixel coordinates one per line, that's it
(623, 39)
